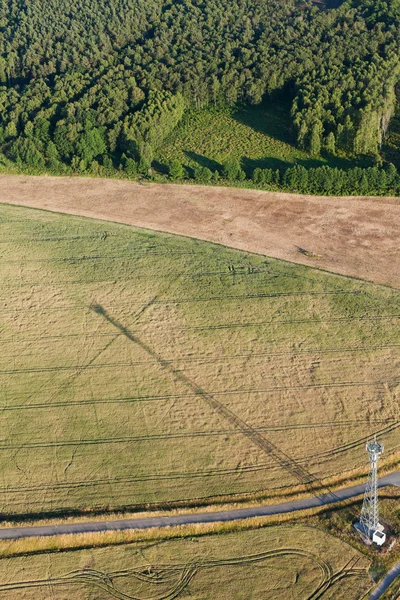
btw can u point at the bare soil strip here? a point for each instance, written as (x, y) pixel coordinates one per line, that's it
(348, 235)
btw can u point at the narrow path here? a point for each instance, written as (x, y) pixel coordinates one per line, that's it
(13, 533)
(385, 582)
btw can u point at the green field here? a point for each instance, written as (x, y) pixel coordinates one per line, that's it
(259, 136)
(142, 368)
(290, 563)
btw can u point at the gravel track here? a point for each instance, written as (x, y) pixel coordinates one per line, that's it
(185, 519)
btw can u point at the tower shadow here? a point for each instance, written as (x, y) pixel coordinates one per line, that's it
(290, 465)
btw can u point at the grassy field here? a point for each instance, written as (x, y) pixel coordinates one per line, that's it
(142, 368)
(260, 136)
(290, 562)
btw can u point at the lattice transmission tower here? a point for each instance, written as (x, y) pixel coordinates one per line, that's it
(369, 520)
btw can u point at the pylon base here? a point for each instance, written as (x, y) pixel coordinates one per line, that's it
(363, 533)
(368, 536)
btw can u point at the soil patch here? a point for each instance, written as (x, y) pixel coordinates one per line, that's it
(349, 235)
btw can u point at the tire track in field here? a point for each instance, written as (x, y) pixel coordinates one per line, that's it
(284, 322)
(140, 478)
(236, 325)
(350, 569)
(125, 279)
(244, 297)
(203, 361)
(71, 487)
(258, 296)
(175, 577)
(65, 238)
(242, 272)
(79, 259)
(207, 359)
(6, 221)
(195, 434)
(174, 397)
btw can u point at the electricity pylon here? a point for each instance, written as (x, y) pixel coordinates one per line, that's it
(369, 520)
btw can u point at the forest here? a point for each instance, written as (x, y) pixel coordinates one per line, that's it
(97, 85)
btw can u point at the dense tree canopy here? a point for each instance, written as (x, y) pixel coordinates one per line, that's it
(91, 81)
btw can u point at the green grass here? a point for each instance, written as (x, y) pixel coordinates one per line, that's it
(260, 136)
(290, 562)
(141, 368)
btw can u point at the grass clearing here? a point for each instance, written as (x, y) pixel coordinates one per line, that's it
(293, 562)
(260, 136)
(143, 369)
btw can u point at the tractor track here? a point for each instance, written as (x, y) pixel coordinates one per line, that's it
(214, 393)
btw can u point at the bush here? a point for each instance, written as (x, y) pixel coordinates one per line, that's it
(232, 170)
(130, 167)
(265, 176)
(176, 170)
(203, 174)
(144, 166)
(24, 151)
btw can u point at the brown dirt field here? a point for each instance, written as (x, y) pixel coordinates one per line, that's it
(349, 235)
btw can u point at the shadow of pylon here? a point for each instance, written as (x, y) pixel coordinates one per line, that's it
(279, 456)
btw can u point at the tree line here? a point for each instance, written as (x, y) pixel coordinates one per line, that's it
(324, 180)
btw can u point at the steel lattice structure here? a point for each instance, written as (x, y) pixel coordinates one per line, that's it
(370, 511)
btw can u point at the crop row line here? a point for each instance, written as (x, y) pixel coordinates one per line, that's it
(187, 435)
(124, 279)
(288, 322)
(138, 302)
(32, 340)
(354, 443)
(137, 479)
(44, 309)
(94, 257)
(6, 221)
(101, 237)
(169, 476)
(217, 326)
(181, 274)
(180, 361)
(206, 358)
(212, 327)
(177, 436)
(147, 276)
(173, 397)
(142, 477)
(65, 238)
(260, 295)
(272, 296)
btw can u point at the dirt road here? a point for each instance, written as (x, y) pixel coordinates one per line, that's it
(349, 235)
